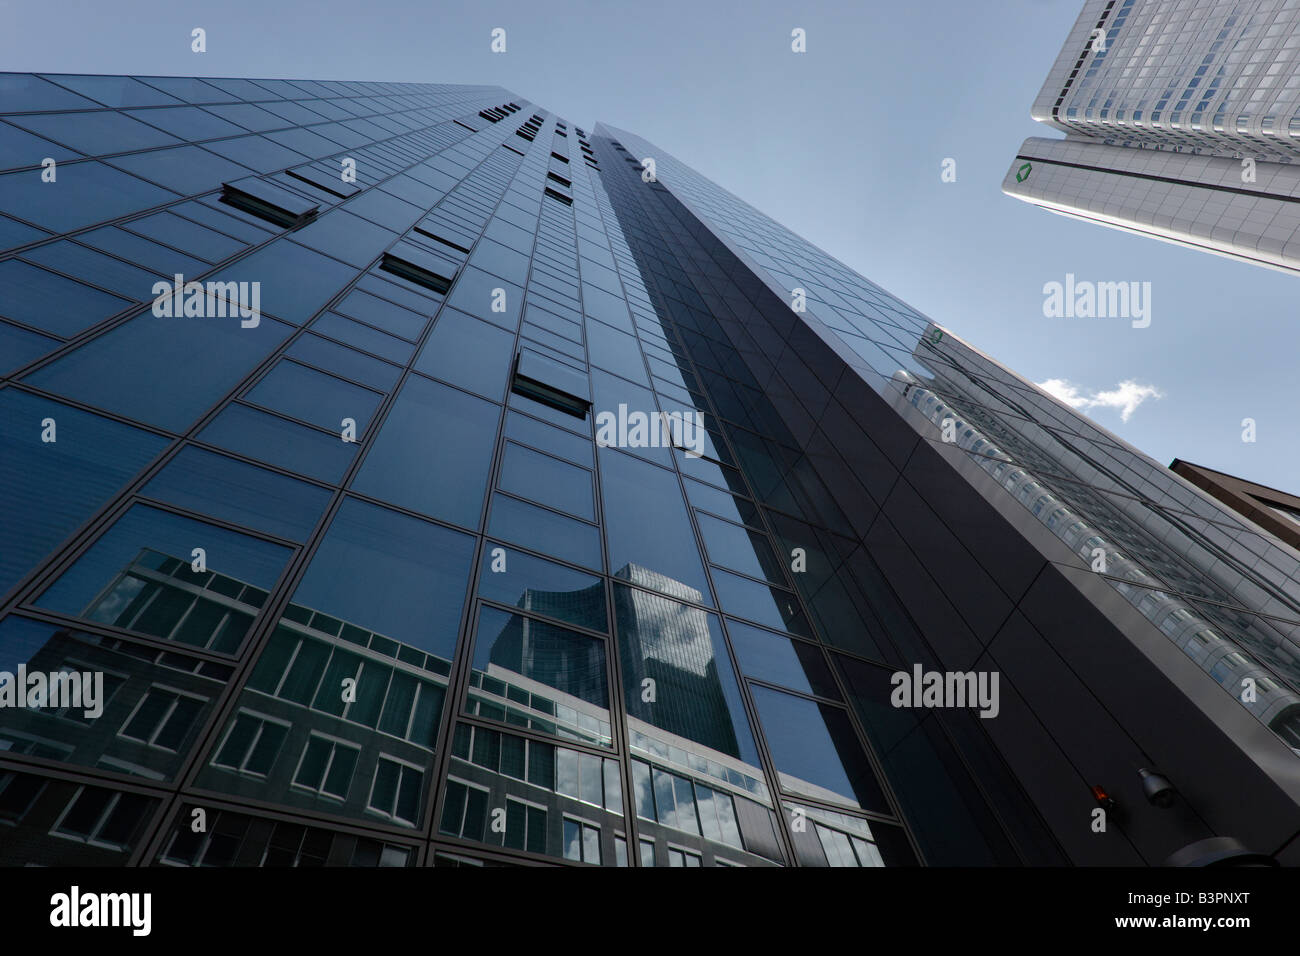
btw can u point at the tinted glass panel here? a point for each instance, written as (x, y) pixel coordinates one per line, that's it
(816, 751)
(547, 480)
(661, 554)
(51, 487)
(780, 660)
(512, 577)
(572, 665)
(51, 302)
(277, 441)
(542, 530)
(469, 353)
(433, 452)
(240, 493)
(193, 362)
(87, 193)
(144, 574)
(681, 650)
(315, 397)
(391, 574)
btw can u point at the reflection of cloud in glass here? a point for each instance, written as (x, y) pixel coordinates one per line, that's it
(1126, 396)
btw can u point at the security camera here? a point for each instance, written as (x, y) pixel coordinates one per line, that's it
(1157, 788)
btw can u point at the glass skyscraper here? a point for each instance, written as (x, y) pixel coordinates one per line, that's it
(1182, 122)
(423, 480)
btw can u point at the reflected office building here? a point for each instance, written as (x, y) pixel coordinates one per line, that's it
(364, 588)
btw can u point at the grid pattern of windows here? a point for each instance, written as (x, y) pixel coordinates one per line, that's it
(472, 620)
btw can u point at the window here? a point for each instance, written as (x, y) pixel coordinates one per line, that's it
(340, 234)
(525, 825)
(647, 852)
(842, 849)
(53, 488)
(344, 362)
(543, 530)
(31, 295)
(548, 481)
(326, 766)
(780, 660)
(363, 337)
(464, 812)
(445, 242)
(395, 793)
(162, 719)
(392, 574)
(102, 817)
(419, 274)
(231, 490)
(18, 791)
(300, 392)
(330, 181)
(433, 452)
(463, 351)
(231, 839)
(555, 177)
(193, 362)
(815, 749)
(559, 196)
(581, 841)
(478, 293)
(268, 201)
(382, 314)
(87, 193)
(514, 654)
(543, 587)
(675, 800)
(139, 575)
(685, 858)
(278, 441)
(661, 554)
(546, 381)
(251, 744)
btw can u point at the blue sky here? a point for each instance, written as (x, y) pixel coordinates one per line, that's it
(843, 144)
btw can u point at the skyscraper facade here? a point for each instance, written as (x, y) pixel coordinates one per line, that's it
(396, 474)
(1182, 122)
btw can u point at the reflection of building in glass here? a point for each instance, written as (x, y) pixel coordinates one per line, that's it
(1190, 603)
(687, 781)
(164, 597)
(670, 644)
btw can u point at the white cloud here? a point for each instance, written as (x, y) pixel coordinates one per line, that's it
(1126, 396)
